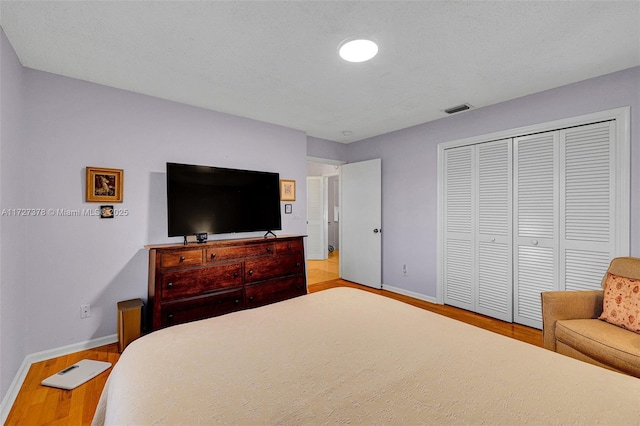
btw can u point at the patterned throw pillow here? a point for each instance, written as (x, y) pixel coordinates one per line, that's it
(621, 305)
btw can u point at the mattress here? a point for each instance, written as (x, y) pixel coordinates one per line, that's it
(349, 356)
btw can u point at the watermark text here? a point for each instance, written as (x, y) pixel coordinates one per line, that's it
(59, 212)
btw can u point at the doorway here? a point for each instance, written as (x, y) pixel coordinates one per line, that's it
(358, 214)
(323, 215)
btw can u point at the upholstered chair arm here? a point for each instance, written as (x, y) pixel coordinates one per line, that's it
(561, 305)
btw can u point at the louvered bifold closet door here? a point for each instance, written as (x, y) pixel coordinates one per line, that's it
(493, 240)
(458, 230)
(536, 187)
(587, 203)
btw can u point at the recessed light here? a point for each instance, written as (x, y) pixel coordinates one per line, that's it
(357, 49)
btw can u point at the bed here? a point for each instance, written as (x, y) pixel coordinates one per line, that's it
(349, 356)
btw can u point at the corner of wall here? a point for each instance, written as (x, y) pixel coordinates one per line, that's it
(12, 276)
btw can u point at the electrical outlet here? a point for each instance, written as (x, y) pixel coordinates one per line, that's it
(85, 311)
(404, 269)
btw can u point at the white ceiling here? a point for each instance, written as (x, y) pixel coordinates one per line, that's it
(276, 61)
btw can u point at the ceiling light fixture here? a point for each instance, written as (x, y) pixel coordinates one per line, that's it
(357, 49)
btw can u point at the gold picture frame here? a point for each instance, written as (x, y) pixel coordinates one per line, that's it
(104, 185)
(287, 190)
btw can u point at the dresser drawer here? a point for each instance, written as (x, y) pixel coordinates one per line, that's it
(182, 258)
(275, 290)
(198, 308)
(276, 266)
(289, 247)
(217, 254)
(191, 282)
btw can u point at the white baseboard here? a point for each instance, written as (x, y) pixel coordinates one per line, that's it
(16, 384)
(410, 294)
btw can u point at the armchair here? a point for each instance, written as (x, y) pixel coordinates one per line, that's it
(571, 325)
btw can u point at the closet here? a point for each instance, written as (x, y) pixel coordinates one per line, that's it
(537, 211)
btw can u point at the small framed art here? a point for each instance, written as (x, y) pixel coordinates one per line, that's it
(288, 208)
(106, 212)
(104, 185)
(287, 190)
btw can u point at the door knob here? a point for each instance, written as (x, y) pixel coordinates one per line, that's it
(376, 230)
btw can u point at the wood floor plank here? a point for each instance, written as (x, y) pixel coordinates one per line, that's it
(323, 270)
(42, 405)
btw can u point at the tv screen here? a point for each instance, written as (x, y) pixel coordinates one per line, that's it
(215, 200)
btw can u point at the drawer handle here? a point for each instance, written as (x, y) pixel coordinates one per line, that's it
(250, 298)
(268, 249)
(289, 246)
(235, 275)
(236, 301)
(213, 256)
(170, 317)
(181, 258)
(297, 264)
(250, 271)
(170, 285)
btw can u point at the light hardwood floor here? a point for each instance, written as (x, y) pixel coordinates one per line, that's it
(39, 405)
(319, 271)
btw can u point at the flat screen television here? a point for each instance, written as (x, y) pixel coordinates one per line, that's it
(215, 200)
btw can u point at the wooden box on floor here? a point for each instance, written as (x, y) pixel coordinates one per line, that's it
(129, 322)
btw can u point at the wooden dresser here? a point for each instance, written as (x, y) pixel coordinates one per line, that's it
(196, 281)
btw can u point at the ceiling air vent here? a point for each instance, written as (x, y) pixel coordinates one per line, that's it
(458, 108)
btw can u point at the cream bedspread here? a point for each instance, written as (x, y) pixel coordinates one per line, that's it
(349, 356)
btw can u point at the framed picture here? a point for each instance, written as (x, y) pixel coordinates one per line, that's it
(288, 208)
(287, 190)
(104, 185)
(106, 212)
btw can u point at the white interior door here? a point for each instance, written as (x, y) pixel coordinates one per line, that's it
(459, 288)
(316, 241)
(536, 261)
(587, 204)
(493, 230)
(477, 228)
(360, 223)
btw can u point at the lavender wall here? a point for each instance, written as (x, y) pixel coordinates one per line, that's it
(409, 167)
(327, 150)
(13, 319)
(80, 260)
